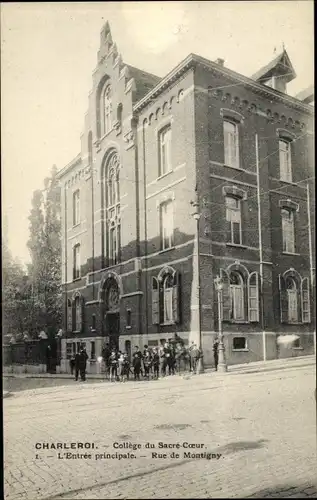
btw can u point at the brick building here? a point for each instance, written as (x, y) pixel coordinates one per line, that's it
(129, 237)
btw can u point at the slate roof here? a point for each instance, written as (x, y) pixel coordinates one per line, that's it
(307, 95)
(281, 64)
(144, 81)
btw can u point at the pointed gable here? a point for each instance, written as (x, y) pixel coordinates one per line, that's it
(277, 73)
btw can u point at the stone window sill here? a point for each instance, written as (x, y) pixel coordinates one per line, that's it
(235, 167)
(164, 175)
(167, 323)
(167, 249)
(76, 225)
(238, 322)
(128, 327)
(93, 360)
(291, 253)
(288, 182)
(298, 348)
(77, 279)
(238, 245)
(240, 350)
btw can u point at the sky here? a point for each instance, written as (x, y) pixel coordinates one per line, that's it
(49, 51)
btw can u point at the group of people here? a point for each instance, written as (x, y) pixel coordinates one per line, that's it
(152, 362)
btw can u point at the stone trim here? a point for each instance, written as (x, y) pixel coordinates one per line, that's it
(282, 133)
(289, 204)
(234, 191)
(232, 115)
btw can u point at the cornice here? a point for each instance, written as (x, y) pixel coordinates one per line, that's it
(192, 61)
(69, 166)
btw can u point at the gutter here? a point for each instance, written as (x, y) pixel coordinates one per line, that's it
(192, 60)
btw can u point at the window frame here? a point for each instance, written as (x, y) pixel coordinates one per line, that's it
(241, 349)
(160, 297)
(285, 159)
(229, 149)
(236, 210)
(234, 307)
(167, 299)
(76, 262)
(292, 300)
(165, 166)
(288, 230)
(165, 216)
(76, 207)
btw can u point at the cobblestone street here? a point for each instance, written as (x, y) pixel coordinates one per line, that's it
(259, 429)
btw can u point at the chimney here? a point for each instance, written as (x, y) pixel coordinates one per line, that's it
(220, 61)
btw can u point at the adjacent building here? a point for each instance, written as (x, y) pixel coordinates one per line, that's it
(150, 145)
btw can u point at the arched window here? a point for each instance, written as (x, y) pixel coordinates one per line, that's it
(294, 297)
(107, 110)
(77, 314)
(112, 197)
(168, 284)
(240, 294)
(237, 296)
(292, 300)
(166, 297)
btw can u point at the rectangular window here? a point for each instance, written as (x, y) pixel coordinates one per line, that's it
(165, 150)
(93, 322)
(233, 216)
(285, 161)
(253, 303)
(166, 222)
(92, 350)
(128, 318)
(76, 262)
(76, 208)
(239, 343)
(288, 230)
(231, 144)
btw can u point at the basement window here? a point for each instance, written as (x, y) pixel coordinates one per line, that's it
(239, 344)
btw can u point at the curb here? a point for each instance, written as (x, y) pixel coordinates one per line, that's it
(272, 365)
(6, 394)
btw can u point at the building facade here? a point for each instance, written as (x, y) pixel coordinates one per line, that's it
(130, 245)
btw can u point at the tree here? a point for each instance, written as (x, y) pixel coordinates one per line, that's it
(45, 249)
(16, 295)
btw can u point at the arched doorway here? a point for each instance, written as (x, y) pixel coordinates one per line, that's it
(111, 310)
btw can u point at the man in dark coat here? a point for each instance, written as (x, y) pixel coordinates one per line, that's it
(137, 358)
(81, 364)
(216, 354)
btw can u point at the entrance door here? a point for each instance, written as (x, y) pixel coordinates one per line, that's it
(113, 328)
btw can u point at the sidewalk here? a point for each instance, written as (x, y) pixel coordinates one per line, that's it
(254, 367)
